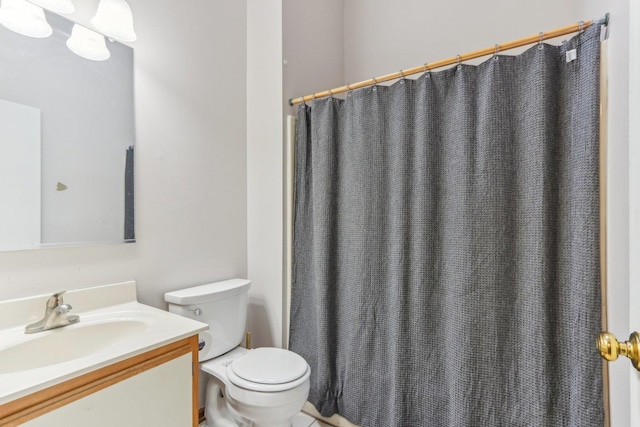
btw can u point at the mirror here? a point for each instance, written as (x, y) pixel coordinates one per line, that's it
(67, 134)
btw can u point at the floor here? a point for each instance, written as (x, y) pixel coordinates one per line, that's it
(335, 420)
(302, 420)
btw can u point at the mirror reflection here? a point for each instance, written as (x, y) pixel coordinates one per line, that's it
(66, 137)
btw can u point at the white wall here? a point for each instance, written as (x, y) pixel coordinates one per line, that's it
(264, 170)
(634, 197)
(190, 87)
(382, 36)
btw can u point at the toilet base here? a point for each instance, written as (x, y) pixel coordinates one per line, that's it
(227, 405)
(215, 410)
(286, 424)
(221, 410)
(266, 416)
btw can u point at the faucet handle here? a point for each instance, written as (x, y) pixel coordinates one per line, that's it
(55, 300)
(63, 308)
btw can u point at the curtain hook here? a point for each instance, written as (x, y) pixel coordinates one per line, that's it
(401, 77)
(375, 83)
(540, 44)
(495, 54)
(349, 90)
(581, 24)
(330, 93)
(459, 65)
(427, 71)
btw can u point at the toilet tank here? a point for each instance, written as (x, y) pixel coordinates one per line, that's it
(222, 305)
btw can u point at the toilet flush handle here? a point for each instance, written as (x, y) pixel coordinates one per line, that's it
(196, 311)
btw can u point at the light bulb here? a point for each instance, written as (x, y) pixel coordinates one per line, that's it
(88, 44)
(24, 18)
(114, 20)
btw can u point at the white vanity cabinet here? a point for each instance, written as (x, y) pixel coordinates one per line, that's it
(157, 388)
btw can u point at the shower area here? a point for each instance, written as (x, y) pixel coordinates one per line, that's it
(445, 241)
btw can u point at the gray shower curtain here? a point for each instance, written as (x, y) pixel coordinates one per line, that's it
(446, 247)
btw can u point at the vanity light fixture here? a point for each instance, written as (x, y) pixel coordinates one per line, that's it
(88, 44)
(24, 18)
(57, 6)
(115, 20)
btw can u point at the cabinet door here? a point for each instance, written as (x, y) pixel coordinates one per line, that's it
(159, 397)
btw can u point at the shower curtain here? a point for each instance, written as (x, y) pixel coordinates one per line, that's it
(446, 245)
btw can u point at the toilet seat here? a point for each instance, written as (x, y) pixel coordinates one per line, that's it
(268, 370)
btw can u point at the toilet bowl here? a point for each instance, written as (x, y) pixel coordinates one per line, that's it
(264, 387)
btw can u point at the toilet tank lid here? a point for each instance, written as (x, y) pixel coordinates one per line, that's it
(208, 292)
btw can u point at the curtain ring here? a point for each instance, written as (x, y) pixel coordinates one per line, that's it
(540, 44)
(581, 24)
(375, 83)
(349, 90)
(330, 93)
(459, 65)
(427, 71)
(495, 54)
(401, 77)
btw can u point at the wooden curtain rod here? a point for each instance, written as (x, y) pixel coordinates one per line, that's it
(538, 38)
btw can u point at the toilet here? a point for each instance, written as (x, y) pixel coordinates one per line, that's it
(263, 387)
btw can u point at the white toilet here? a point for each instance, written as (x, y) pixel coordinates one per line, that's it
(264, 387)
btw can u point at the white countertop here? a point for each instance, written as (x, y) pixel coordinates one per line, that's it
(115, 305)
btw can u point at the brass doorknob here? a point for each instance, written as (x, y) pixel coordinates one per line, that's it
(610, 348)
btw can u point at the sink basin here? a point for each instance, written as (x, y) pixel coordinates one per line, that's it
(68, 343)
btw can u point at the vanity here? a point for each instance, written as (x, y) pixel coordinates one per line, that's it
(122, 364)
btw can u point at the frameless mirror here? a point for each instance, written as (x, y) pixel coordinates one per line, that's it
(66, 141)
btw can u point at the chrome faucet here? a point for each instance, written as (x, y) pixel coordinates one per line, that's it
(55, 316)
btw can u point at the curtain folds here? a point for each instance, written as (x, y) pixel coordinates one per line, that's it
(446, 246)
